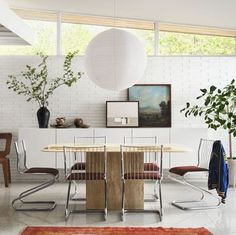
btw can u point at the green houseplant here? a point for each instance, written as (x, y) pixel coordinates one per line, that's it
(219, 111)
(36, 86)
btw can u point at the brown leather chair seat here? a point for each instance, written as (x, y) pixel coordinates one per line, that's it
(151, 167)
(143, 176)
(78, 166)
(147, 166)
(182, 170)
(86, 176)
(42, 170)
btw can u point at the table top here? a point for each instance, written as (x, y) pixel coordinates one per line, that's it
(168, 148)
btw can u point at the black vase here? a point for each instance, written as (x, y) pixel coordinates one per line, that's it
(43, 115)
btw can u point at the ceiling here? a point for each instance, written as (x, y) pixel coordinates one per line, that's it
(214, 13)
(8, 37)
(13, 30)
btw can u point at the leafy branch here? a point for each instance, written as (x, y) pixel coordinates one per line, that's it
(36, 85)
(219, 109)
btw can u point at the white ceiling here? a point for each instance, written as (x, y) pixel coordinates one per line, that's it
(216, 13)
(13, 30)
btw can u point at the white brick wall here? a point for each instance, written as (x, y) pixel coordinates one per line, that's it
(186, 75)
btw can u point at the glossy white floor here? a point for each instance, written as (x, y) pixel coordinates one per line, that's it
(221, 221)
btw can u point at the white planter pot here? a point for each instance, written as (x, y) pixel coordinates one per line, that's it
(232, 170)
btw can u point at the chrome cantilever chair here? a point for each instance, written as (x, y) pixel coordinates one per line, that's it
(19, 204)
(95, 160)
(132, 168)
(87, 140)
(204, 156)
(81, 165)
(147, 165)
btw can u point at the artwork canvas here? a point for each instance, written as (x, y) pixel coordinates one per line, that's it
(154, 104)
(122, 113)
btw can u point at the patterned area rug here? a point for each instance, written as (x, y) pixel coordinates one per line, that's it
(113, 231)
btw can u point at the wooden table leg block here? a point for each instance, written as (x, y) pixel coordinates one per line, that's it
(114, 184)
(134, 194)
(95, 196)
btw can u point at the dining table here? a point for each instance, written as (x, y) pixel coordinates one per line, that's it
(134, 188)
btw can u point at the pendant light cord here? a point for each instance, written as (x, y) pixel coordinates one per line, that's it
(114, 41)
(114, 13)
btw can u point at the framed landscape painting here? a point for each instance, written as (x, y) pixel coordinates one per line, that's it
(154, 104)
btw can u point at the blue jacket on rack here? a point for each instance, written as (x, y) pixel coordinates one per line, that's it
(218, 177)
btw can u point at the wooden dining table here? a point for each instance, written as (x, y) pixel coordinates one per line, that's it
(134, 188)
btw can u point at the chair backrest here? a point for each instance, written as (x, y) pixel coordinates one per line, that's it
(204, 152)
(21, 156)
(5, 142)
(149, 140)
(90, 140)
(140, 140)
(93, 156)
(132, 160)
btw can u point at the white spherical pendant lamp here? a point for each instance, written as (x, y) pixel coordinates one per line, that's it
(115, 59)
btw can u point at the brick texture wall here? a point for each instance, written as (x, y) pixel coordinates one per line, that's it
(186, 75)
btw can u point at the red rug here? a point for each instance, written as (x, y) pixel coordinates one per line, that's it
(113, 231)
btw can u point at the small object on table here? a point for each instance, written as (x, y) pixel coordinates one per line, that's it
(66, 125)
(78, 122)
(60, 121)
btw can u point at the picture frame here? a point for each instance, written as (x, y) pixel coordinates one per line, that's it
(121, 114)
(154, 104)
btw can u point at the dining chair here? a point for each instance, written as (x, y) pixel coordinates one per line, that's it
(153, 140)
(87, 140)
(19, 204)
(95, 159)
(81, 165)
(132, 169)
(181, 173)
(5, 142)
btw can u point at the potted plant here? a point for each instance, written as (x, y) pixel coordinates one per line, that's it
(219, 111)
(36, 86)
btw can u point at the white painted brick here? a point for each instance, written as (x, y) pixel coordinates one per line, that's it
(186, 75)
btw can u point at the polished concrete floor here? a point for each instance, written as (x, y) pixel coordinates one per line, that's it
(221, 221)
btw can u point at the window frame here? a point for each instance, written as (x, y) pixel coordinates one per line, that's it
(68, 17)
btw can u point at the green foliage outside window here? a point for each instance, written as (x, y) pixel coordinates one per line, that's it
(147, 37)
(77, 37)
(193, 44)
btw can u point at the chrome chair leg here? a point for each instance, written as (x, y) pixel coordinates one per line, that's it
(67, 212)
(105, 209)
(75, 196)
(123, 202)
(123, 210)
(155, 190)
(30, 192)
(161, 206)
(181, 204)
(154, 195)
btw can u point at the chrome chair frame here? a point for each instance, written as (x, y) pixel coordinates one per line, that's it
(76, 140)
(202, 191)
(26, 193)
(84, 149)
(153, 140)
(155, 149)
